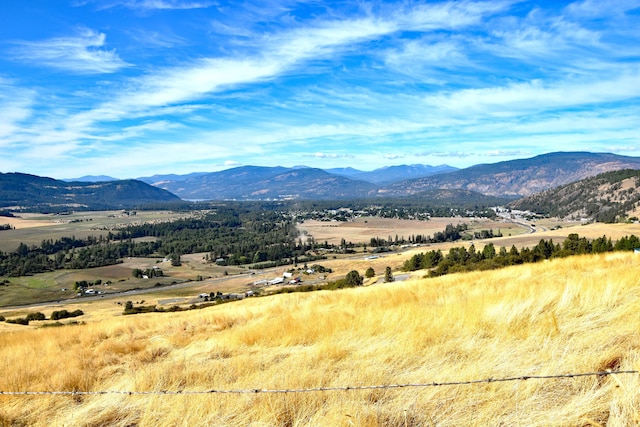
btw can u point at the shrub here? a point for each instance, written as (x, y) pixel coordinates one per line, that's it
(64, 314)
(35, 316)
(353, 278)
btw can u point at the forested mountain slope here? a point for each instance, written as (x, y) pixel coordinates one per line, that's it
(31, 191)
(607, 197)
(521, 177)
(268, 183)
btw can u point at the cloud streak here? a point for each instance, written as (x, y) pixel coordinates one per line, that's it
(151, 5)
(82, 54)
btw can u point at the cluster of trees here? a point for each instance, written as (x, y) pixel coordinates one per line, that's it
(56, 315)
(70, 253)
(129, 308)
(84, 284)
(64, 314)
(420, 206)
(463, 259)
(237, 235)
(148, 273)
(451, 233)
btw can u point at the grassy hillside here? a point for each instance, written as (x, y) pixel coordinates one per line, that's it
(566, 316)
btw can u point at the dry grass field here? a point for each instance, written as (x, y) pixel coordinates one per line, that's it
(570, 315)
(363, 229)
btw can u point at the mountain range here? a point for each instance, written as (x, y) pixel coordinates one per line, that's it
(523, 177)
(512, 179)
(391, 174)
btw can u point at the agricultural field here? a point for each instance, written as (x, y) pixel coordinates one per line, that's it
(32, 229)
(58, 286)
(363, 229)
(197, 274)
(115, 279)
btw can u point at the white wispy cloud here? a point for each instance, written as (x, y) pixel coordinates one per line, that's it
(157, 39)
(83, 53)
(147, 5)
(374, 82)
(16, 106)
(517, 98)
(445, 15)
(321, 155)
(278, 53)
(600, 8)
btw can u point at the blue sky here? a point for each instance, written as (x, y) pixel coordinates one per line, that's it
(132, 88)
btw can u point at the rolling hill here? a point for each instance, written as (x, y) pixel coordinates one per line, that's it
(413, 353)
(606, 197)
(31, 191)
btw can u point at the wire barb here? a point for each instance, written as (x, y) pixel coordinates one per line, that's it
(317, 389)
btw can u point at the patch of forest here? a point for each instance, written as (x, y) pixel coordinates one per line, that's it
(233, 234)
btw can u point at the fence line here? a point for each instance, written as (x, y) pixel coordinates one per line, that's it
(308, 390)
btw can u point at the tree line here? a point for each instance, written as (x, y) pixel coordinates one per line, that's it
(461, 259)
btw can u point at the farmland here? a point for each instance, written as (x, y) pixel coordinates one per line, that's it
(32, 229)
(197, 273)
(363, 229)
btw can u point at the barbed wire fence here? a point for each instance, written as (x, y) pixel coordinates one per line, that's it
(323, 389)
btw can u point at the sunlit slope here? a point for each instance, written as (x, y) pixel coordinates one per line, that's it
(568, 316)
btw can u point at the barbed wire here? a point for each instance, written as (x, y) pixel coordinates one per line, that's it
(318, 389)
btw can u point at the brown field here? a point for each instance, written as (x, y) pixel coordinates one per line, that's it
(363, 229)
(24, 221)
(575, 315)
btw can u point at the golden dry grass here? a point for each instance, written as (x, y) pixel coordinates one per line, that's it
(570, 315)
(362, 229)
